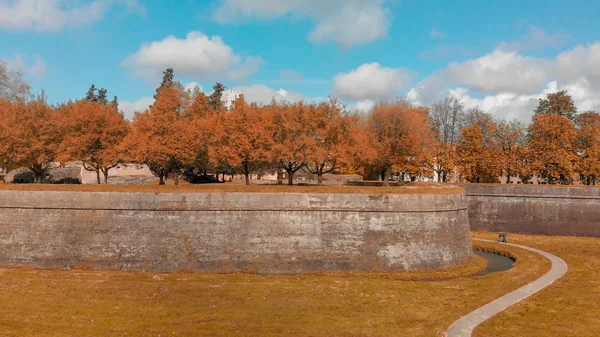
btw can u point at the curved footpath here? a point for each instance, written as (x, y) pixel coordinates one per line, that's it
(464, 326)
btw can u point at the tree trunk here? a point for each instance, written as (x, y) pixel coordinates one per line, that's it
(161, 178)
(279, 177)
(105, 172)
(319, 179)
(177, 178)
(290, 178)
(386, 177)
(98, 180)
(247, 177)
(508, 176)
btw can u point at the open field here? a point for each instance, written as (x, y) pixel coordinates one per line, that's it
(93, 303)
(413, 188)
(569, 307)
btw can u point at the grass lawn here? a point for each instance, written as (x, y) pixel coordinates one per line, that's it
(569, 307)
(411, 188)
(107, 303)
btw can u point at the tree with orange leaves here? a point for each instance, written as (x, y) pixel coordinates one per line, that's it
(509, 139)
(551, 144)
(163, 137)
(588, 146)
(331, 141)
(242, 138)
(93, 134)
(30, 135)
(289, 126)
(402, 135)
(476, 156)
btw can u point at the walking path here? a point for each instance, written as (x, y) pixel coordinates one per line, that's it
(464, 326)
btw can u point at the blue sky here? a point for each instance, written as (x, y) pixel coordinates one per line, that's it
(500, 56)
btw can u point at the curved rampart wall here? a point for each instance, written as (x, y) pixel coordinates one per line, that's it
(535, 209)
(265, 232)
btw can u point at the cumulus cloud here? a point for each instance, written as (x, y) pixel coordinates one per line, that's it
(502, 71)
(516, 82)
(197, 55)
(346, 22)
(34, 66)
(262, 94)
(190, 86)
(55, 15)
(363, 106)
(370, 81)
(130, 108)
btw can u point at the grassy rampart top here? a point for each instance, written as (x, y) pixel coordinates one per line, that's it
(416, 188)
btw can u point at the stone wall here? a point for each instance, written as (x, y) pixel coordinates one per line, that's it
(535, 209)
(265, 232)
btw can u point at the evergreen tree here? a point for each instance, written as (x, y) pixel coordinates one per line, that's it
(214, 100)
(102, 96)
(91, 94)
(115, 103)
(168, 76)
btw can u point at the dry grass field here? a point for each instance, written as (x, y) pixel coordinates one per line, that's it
(110, 303)
(412, 188)
(569, 307)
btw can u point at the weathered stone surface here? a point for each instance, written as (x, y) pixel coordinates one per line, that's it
(536, 209)
(266, 232)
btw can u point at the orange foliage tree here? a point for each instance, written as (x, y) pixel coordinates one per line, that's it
(30, 135)
(163, 137)
(551, 145)
(242, 138)
(93, 134)
(588, 146)
(510, 145)
(331, 139)
(476, 157)
(289, 127)
(402, 136)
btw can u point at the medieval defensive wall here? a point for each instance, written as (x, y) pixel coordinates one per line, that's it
(206, 231)
(534, 209)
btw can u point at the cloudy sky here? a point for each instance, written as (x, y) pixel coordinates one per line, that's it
(498, 55)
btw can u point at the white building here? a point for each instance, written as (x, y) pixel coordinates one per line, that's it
(229, 96)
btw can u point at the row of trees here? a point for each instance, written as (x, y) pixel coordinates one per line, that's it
(190, 133)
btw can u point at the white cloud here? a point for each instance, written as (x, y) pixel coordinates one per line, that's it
(262, 94)
(34, 66)
(130, 108)
(190, 86)
(55, 15)
(346, 22)
(364, 105)
(580, 62)
(370, 81)
(502, 71)
(197, 55)
(516, 82)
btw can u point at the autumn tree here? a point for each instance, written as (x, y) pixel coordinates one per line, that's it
(93, 134)
(401, 133)
(289, 127)
(30, 135)
(509, 138)
(476, 157)
(588, 146)
(242, 139)
(330, 139)
(559, 103)
(163, 137)
(551, 142)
